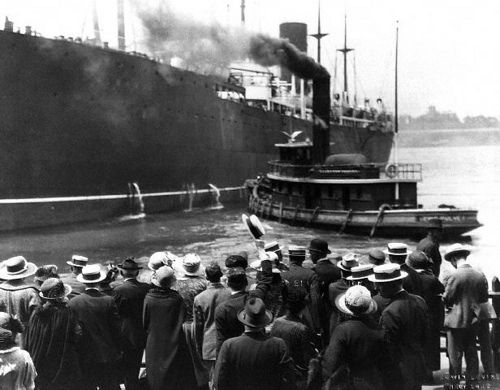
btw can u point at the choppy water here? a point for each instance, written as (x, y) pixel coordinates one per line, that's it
(465, 176)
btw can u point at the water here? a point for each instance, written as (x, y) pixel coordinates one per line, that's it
(464, 176)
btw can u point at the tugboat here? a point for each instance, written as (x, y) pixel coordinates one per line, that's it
(345, 192)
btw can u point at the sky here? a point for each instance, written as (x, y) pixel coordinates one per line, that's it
(449, 53)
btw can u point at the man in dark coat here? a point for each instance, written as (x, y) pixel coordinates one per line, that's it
(466, 315)
(433, 291)
(430, 244)
(398, 252)
(168, 364)
(298, 276)
(253, 360)
(405, 327)
(328, 273)
(356, 352)
(129, 297)
(97, 313)
(76, 263)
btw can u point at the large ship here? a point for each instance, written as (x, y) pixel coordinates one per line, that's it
(90, 132)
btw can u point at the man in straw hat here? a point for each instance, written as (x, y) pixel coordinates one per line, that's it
(466, 315)
(398, 252)
(168, 363)
(19, 297)
(405, 326)
(97, 313)
(253, 360)
(52, 338)
(129, 297)
(430, 244)
(76, 263)
(355, 344)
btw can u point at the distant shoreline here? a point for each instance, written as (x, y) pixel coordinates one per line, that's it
(449, 137)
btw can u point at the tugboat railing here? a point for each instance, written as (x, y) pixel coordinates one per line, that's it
(400, 171)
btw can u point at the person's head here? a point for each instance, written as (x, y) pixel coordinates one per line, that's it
(435, 229)
(254, 316)
(9, 328)
(164, 277)
(54, 290)
(191, 264)
(397, 252)
(318, 249)
(356, 301)
(236, 279)
(296, 254)
(92, 275)
(345, 265)
(273, 246)
(213, 272)
(157, 260)
(418, 260)
(77, 263)
(388, 279)
(45, 272)
(233, 261)
(456, 254)
(296, 299)
(129, 268)
(376, 257)
(16, 269)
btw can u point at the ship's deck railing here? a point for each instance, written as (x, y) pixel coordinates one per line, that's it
(404, 171)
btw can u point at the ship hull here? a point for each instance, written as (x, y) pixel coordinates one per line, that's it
(80, 123)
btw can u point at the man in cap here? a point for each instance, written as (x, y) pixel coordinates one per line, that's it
(168, 363)
(205, 303)
(253, 360)
(298, 276)
(76, 263)
(100, 350)
(129, 297)
(398, 252)
(376, 257)
(430, 244)
(355, 344)
(274, 247)
(19, 297)
(432, 293)
(405, 325)
(466, 316)
(328, 273)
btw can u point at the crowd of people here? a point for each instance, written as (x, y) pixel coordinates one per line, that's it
(283, 320)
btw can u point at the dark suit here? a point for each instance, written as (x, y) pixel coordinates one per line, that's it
(76, 287)
(412, 283)
(335, 289)
(252, 361)
(129, 297)
(100, 347)
(327, 273)
(226, 320)
(431, 249)
(406, 327)
(465, 290)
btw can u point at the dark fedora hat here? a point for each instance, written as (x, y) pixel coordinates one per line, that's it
(129, 265)
(319, 245)
(253, 225)
(418, 260)
(255, 314)
(233, 261)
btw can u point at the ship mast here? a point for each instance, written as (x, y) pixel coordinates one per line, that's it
(242, 12)
(344, 51)
(97, 30)
(319, 35)
(121, 25)
(396, 110)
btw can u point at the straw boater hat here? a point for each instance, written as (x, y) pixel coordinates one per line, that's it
(361, 272)
(129, 265)
(91, 274)
(273, 257)
(54, 288)
(387, 273)
(296, 252)
(356, 300)
(319, 245)
(253, 225)
(17, 268)
(348, 261)
(272, 246)
(396, 249)
(454, 249)
(255, 314)
(191, 264)
(78, 261)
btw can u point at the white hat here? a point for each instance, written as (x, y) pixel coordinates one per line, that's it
(17, 268)
(356, 300)
(253, 225)
(272, 256)
(191, 264)
(456, 248)
(387, 273)
(91, 274)
(78, 261)
(396, 249)
(157, 260)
